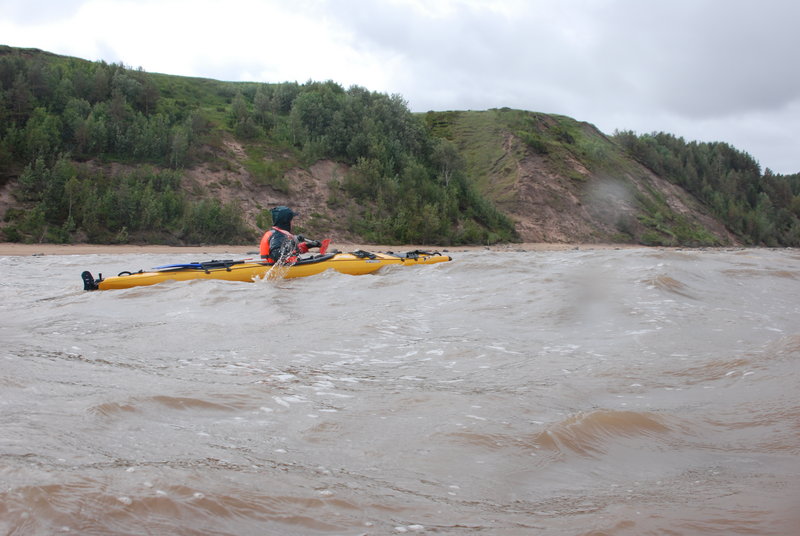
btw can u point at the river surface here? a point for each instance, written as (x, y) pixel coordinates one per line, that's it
(580, 392)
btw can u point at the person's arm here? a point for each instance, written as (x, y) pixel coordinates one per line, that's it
(303, 244)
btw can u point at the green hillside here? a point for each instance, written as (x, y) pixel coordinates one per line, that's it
(100, 152)
(653, 189)
(105, 153)
(759, 208)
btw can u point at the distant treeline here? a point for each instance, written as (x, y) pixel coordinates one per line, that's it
(761, 209)
(61, 117)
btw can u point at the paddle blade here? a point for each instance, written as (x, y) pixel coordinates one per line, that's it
(324, 247)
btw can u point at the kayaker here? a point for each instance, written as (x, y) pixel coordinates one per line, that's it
(279, 244)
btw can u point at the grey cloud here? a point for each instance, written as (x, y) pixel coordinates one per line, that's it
(696, 58)
(706, 58)
(38, 11)
(478, 54)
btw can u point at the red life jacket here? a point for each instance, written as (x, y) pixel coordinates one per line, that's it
(264, 247)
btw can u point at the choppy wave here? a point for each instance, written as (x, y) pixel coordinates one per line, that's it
(570, 392)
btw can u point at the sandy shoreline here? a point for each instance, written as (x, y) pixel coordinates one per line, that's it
(15, 249)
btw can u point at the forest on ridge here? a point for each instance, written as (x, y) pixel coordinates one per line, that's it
(62, 117)
(96, 152)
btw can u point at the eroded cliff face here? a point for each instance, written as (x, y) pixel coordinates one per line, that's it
(556, 201)
(313, 192)
(584, 206)
(566, 196)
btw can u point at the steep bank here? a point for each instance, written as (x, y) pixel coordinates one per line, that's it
(565, 181)
(581, 191)
(91, 152)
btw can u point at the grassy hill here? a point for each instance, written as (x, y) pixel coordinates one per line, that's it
(565, 181)
(104, 153)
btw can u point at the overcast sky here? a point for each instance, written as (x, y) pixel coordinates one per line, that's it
(707, 70)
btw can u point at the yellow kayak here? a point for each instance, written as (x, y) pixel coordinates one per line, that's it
(355, 263)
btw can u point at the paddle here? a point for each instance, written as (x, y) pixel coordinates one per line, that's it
(199, 265)
(324, 246)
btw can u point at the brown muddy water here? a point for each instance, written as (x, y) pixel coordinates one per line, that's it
(569, 393)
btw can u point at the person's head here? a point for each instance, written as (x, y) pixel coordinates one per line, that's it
(282, 217)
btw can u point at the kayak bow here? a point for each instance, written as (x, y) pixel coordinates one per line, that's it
(355, 263)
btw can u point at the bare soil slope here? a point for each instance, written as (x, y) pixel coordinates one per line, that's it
(551, 200)
(573, 184)
(553, 196)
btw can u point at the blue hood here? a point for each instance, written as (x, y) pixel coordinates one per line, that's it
(282, 217)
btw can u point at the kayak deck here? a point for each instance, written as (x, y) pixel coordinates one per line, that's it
(355, 263)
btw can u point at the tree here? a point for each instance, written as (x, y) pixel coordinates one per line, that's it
(21, 98)
(179, 147)
(262, 107)
(42, 134)
(448, 160)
